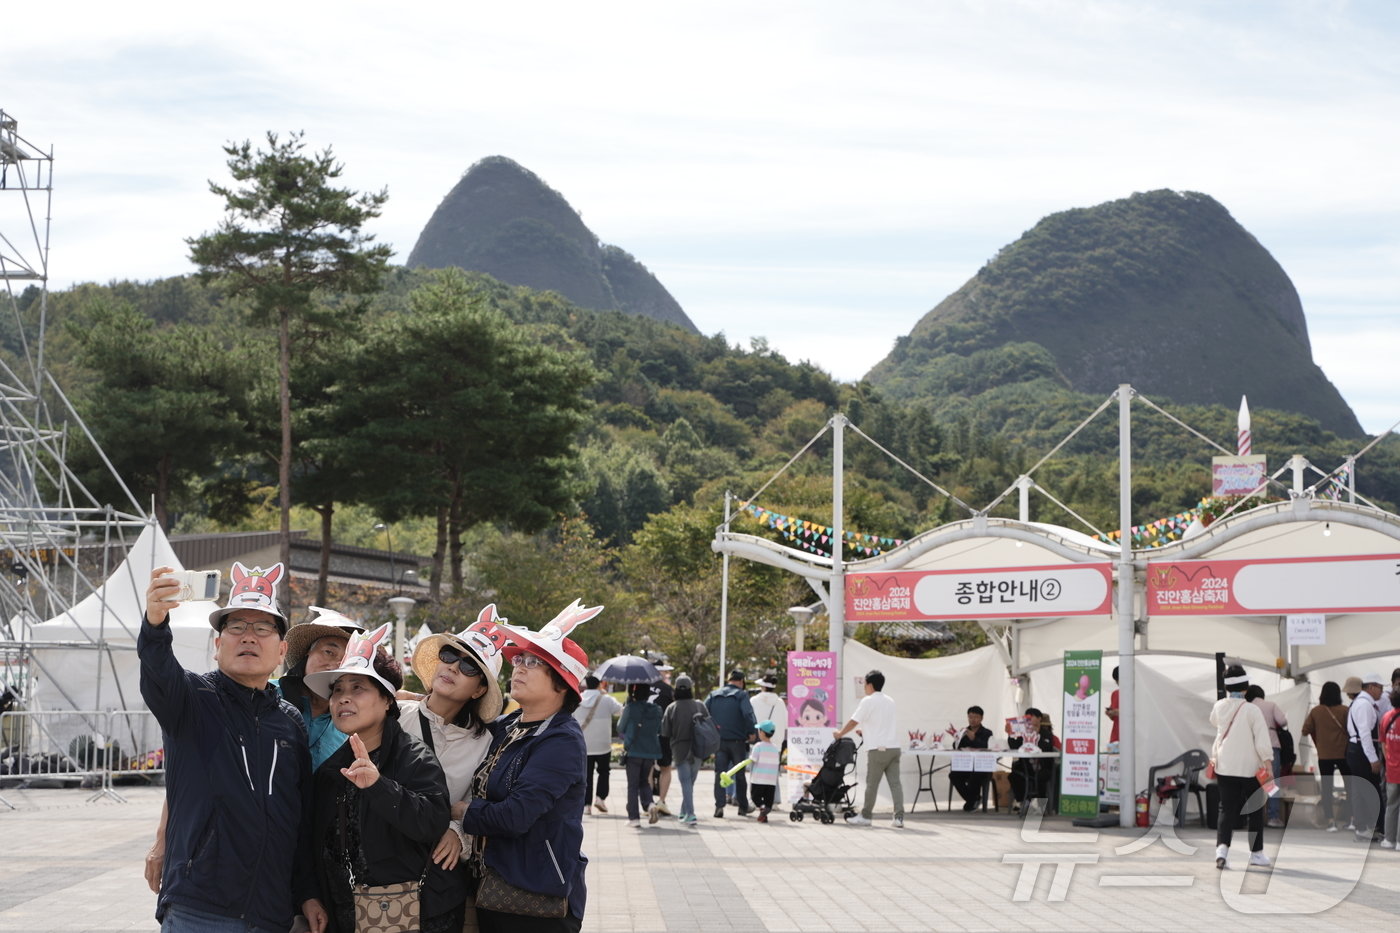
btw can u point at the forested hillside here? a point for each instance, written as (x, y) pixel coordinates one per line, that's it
(1164, 290)
(403, 416)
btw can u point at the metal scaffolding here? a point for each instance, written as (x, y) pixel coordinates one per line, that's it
(57, 543)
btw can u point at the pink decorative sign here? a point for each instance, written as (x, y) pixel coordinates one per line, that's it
(1001, 593)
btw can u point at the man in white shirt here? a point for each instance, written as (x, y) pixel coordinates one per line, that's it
(874, 718)
(595, 714)
(1364, 760)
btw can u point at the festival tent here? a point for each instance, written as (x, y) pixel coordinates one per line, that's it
(930, 694)
(85, 658)
(1175, 646)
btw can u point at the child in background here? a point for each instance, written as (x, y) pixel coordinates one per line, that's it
(763, 773)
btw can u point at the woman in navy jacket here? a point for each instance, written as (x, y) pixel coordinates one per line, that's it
(526, 811)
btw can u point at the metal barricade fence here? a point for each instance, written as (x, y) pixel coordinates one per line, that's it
(65, 745)
(137, 734)
(87, 748)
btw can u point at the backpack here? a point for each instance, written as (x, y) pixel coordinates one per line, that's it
(704, 735)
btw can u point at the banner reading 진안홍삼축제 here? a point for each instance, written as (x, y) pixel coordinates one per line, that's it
(1079, 761)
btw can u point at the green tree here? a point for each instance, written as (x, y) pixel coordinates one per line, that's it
(456, 412)
(289, 232)
(166, 404)
(672, 570)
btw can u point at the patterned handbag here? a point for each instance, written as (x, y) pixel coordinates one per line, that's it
(387, 908)
(495, 893)
(382, 908)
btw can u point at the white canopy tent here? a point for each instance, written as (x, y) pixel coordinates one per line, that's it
(1170, 705)
(85, 659)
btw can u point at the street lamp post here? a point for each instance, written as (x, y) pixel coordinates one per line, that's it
(389, 537)
(801, 615)
(402, 606)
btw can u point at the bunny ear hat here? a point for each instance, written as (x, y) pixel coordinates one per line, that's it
(552, 643)
(359, 659)
(252, 589)
(482, 641)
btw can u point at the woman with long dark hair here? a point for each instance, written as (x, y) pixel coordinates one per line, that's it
(1327, 725)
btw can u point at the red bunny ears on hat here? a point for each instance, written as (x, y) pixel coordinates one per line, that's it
(252, 589)
(552, 643)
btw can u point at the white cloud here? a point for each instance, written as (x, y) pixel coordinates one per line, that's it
(785, 168)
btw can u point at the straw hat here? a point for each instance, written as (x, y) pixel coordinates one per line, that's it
(481, 642)
(252, 589)
(328, 623)
(567, 659)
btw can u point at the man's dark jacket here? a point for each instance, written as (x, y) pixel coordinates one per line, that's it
(238, 785)
(732, 711)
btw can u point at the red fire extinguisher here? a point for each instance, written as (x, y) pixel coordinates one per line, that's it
(1141, 808)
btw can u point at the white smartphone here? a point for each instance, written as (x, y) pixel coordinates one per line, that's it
(197, 584)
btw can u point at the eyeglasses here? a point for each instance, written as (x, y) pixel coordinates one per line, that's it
(529, 660)
(260, 629)
(449, 657)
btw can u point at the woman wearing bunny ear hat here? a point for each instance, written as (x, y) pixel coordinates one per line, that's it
(380, 802)
(525, 815)
(460, 673)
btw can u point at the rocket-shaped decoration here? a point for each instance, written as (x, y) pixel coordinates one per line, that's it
(1245, 442)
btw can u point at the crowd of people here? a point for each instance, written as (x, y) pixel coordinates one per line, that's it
(328, 800)
(1358, 738)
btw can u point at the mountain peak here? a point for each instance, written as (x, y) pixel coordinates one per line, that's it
(1163, 289)
(502, 219)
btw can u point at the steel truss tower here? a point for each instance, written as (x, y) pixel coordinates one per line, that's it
(57, 543)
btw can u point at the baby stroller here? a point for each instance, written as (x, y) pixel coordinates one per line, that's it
(829, 788)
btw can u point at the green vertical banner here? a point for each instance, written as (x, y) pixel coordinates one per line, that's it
(1079, 764)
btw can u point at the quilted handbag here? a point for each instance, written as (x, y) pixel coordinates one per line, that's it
(387, 908)
(495, 893)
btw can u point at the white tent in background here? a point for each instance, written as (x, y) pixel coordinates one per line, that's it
(85, 659)
(422, 633)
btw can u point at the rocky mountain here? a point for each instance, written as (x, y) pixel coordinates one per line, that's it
(503, 220)
(1164, 290)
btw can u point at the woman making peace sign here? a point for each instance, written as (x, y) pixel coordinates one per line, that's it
(380, 801)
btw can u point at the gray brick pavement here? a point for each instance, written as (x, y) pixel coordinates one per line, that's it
(67, 865)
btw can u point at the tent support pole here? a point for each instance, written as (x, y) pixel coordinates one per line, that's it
(724, 601)
(1127, 702)
(836, 607)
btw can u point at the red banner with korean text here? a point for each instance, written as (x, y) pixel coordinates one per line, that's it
(1278, 586)
(1003, 593)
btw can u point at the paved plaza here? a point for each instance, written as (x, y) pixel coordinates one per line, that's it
(70, 865)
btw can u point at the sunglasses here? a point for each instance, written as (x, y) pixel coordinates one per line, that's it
(465, 665)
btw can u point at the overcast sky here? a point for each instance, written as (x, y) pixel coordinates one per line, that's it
(817, 173)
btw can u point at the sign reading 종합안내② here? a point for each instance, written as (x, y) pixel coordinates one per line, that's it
(1278, 586)
(1003, 593)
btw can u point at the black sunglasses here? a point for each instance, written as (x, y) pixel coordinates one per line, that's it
(465, 665)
